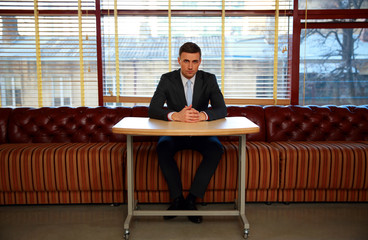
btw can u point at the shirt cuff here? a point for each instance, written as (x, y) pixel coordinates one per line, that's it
(205, 115)
(169, 116)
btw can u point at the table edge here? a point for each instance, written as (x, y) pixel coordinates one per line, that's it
(181, 132)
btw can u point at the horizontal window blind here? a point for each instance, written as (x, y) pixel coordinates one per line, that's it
(197, 5)
(60, 56)
(206, 33)
(142, 51)
(257, 5)
(20, 4)
(249, 59)
(239, 50)
(46, 70)
(162, 4)
(18, 61)
(46, 4)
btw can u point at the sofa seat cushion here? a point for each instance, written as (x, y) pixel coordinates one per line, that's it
(62, 197)
(323, 165)
(62, 167)
(262, 167)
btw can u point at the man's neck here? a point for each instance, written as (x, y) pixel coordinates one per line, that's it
(185, 78)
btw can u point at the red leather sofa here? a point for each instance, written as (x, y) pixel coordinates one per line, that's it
(69, 155)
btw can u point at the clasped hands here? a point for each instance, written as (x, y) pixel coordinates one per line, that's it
(189, 114)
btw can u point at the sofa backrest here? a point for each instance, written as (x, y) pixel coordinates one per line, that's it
(253, 113)
(4, 117)
(316, 123)
(83, 124)
(277, 123)
(65, 124)
(142, 111)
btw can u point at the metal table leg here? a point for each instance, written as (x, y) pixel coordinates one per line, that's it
(130, 182)
(241, 184)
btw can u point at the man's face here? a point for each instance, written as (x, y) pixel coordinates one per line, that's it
(189, 63)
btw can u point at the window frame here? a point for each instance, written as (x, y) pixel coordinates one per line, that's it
(301, 15)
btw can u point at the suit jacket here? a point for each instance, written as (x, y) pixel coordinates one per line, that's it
(170, 89)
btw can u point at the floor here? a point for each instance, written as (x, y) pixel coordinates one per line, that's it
(299, 221)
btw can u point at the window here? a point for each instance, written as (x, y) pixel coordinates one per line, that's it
(336, 67)
(238, 46)
(50, 55)
(142, 56)
(62, 92)
(250, 58)
(96, 53)
(333, 4)
(13, 97)
(11, 93)
(334, 53)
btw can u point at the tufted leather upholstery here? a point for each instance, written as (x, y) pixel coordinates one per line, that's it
(64, 124)
(253, 113)
(4, 117)
(277, 123)
(315, 123)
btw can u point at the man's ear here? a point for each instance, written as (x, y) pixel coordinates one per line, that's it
(179, 60)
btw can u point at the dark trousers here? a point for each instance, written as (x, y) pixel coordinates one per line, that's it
(211, 150)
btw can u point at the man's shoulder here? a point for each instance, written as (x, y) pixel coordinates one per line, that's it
(200, 74)
(172, 74)
(205, 75)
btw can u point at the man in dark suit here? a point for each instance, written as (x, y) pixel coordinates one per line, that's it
(187, 93)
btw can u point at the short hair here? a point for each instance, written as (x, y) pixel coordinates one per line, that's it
(190, 47)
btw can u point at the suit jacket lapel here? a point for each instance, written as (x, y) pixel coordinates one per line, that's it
(198, 85)
(179, 84)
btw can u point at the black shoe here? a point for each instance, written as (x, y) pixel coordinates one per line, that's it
(190, 205)
(177, 204)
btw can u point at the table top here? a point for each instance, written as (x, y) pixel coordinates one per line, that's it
(153, 127)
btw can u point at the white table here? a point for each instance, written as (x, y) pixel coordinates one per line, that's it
(239, 126)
